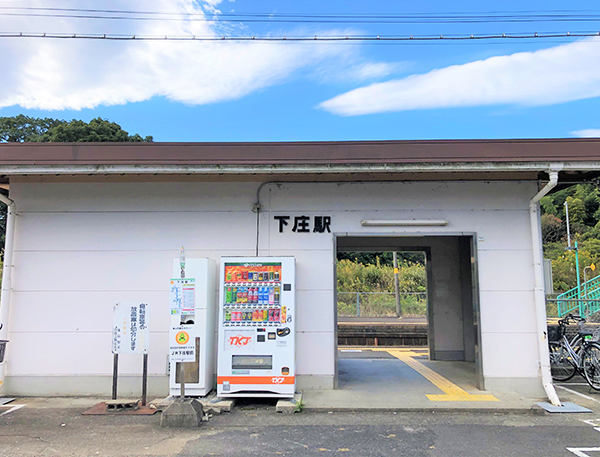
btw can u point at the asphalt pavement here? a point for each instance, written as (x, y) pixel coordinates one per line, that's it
(55, 427)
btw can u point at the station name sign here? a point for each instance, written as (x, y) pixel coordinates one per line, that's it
(304, 224)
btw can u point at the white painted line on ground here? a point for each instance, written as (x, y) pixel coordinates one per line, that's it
(587, 397)
(597, 429)
(13, 408)
(581, 451)
(592, 422)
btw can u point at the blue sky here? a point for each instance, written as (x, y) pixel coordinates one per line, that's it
(184, 91)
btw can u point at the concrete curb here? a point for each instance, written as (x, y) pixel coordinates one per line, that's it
(533, 410)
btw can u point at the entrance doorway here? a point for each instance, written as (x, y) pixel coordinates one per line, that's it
(437, 330)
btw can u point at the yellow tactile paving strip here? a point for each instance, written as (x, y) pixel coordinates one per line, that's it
(451, 391)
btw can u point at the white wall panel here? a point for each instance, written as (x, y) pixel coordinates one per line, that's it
(136, 231)
(510, 355)
(315, 311)
(507, 312)
(81, 247)
(406, 195)
(186, 196)
(506, 270)
(99, 270)
(78, 353)
(315, 353)
(81, 311)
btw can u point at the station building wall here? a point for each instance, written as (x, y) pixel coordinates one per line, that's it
(80, 247)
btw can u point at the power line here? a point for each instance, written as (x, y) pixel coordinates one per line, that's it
(295, 39)
(509, 14)
(415, 18)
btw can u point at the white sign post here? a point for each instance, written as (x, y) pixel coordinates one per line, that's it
(130, 335)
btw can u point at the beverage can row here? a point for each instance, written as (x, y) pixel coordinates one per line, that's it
(252, 276)
(263, 295)
(256, 315)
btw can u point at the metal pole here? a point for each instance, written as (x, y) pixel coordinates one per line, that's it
(577, 268)
(357, 304)
(115, 374)
(578, 278)
(568, 229)
(397, 285)
(145, 380)
(182, 379)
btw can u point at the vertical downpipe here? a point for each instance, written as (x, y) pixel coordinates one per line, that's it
(6, 276)
(539, 290)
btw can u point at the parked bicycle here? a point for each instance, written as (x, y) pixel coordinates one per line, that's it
(580, 355)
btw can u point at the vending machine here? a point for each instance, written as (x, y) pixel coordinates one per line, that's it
(192, 310)
(257, 315)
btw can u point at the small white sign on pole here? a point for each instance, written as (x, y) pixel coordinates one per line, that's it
(182, 296)
(182, 343)
(131, 328)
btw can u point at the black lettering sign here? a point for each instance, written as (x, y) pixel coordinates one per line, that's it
(301, 224)
(282, 221)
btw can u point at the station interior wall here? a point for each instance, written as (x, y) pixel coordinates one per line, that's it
(80, 247)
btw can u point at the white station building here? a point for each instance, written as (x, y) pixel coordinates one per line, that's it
(93, 224)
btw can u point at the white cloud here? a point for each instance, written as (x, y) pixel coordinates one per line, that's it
(55, 74)
(554, 75)
(350, 67)
(587, 133)
(372, 70)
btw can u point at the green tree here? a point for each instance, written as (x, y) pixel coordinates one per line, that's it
(577, 214)
(97, 130)
(383, 258)
(553, 229)
(548, 206)
(24, 129)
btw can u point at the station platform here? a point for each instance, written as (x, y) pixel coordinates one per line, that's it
(387, 331)
(403, 379)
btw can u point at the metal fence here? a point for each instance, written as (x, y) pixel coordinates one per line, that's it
(380, 304)
(584, 307)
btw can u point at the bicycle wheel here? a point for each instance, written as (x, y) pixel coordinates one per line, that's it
(561, 365)
(591, 365)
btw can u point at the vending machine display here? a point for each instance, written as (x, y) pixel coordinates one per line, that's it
(256, 353)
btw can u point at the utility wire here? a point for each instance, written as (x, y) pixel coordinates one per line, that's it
(347, 38)
(357, 20)
(415, 18)
(448, 15)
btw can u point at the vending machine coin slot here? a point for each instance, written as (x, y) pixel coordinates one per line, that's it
(283, 331)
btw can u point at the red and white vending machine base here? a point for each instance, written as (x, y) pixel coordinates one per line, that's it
(257, 314)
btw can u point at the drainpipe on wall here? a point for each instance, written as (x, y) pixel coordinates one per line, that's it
(6, 275)
(539, 290)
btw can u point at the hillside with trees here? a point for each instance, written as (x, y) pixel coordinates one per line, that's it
(583, 201)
